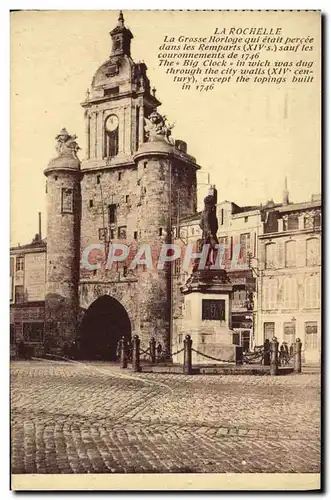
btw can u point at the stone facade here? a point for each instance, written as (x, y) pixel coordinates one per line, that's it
(125, 191)
(27, 295)
(289, 283)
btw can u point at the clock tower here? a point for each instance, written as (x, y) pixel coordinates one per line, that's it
(135, 183)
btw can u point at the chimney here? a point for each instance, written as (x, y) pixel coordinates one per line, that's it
(286, 200)
(39, 232)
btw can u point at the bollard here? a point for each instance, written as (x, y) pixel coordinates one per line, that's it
(136, 354)
(266, 353)
(152, 349)
(274, 356)
(187, 367)
(297, 357)
(124, 357)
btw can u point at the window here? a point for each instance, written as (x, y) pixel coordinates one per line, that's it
(236, 338)
(290, 293)
(103, 233)
(112, 214)
(268, 330)
(317, 220)
(245, 340)
(127, 198)
(213, 309)
(289, 332)
(312, 292)
(311, 332)
(177, 267)
(291, 222)
(246, 219)
(19, 263)
(11, 266)
(98, 179)
(270, 255)
(67, 201)
(313, 252)
(160, 231)
(33, 332)
(269, 294)
(145, 164)
(19, 294)
(122, 233)
(222, 217)
(125, 271)
(290, 253)
(119, 176)
(91, 203)
(112, 234)
(135, 235)
(244, 246)
(312, 220)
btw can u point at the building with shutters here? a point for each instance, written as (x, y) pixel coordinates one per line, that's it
(27, 295)
(289, 276)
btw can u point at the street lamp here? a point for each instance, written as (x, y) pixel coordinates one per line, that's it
(293, 320)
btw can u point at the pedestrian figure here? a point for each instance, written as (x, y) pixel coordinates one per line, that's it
(129, 350)
(282, 354)
(159, 351)
(118, 350)
(286, 353)
(22, 349)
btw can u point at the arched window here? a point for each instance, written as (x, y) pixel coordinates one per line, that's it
(270, 255)
(312, 292)
(111, 137)
(313, 252)
(290, 253)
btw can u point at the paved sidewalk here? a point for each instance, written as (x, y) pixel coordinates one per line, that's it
(95, 417)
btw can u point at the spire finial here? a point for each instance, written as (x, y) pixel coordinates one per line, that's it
(121, 19)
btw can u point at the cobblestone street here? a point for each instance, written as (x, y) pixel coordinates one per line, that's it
(97, 418)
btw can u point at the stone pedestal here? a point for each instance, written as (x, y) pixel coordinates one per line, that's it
(207, 317)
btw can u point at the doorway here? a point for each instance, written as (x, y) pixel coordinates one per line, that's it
(104, 324)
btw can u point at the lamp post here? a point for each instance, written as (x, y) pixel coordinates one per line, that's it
(293, 320)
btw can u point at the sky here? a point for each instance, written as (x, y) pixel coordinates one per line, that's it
(247, 137)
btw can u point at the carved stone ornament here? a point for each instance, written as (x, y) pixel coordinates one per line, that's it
(157, 128)
(66, 144)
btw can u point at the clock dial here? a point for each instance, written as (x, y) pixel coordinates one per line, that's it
(112, 123)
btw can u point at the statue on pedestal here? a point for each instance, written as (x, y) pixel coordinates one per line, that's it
(209, 226)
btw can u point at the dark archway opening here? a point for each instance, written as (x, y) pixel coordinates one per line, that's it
(103, 325)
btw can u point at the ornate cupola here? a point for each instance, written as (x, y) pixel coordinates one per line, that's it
(121, 38)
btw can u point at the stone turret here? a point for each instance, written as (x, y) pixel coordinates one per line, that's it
(63, 234)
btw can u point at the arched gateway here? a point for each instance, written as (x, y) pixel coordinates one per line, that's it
(103, 324)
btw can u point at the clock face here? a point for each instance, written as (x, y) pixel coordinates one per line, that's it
(112, 123)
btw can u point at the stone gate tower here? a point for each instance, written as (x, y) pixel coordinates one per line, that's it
(135, 183)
